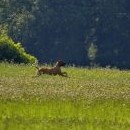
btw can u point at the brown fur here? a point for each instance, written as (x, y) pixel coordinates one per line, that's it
(56, 70)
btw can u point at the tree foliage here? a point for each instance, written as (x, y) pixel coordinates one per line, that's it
(53, 29)
(13, 52)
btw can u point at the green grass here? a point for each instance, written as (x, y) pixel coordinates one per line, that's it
(91, 99)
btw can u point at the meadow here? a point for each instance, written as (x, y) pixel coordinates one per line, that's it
(90, 99)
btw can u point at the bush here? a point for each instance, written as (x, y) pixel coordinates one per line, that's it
(13, 52)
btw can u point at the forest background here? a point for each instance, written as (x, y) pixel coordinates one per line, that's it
(81, 32)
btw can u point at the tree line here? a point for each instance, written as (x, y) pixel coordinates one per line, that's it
(85, 32)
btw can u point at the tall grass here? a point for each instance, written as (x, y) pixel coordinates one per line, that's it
(93, 99)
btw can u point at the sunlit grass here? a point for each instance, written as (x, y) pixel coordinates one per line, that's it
(94, 99)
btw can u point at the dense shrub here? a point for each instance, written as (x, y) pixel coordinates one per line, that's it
(13, 52)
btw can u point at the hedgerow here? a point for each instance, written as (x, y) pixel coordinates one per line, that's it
(13, 52)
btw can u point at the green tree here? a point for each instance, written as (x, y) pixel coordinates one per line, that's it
(13, 52)
(92, 53)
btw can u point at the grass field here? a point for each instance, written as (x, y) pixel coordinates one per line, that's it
(91, 99)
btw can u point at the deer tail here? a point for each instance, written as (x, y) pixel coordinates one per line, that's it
(37, 67)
